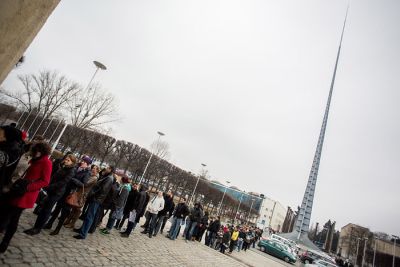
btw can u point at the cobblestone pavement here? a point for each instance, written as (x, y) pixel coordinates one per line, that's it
(110, 250)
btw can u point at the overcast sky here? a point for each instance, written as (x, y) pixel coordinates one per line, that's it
(242, 87)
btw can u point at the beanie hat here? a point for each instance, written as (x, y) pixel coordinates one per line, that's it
(87, 159)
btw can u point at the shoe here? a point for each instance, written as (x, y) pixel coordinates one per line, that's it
(77, 230)
(126, 235)
(72, 226)
(143, 232)
(154, 234)
(32, 231)
(143, 226)
(48, 226)
(104, 232)
(55, 232)
(150, 235)
(78, 237)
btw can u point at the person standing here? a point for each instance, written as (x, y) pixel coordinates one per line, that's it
(213, 229)
(38, 174)
(181, 211)
(234, 238)
(241, 238)
(132, 197)
(155, 205)
(136, 210)
(201, 228)
(76, 212)
(55, 191)
(194, 219)
(117, 210)
(225, 240)
(168, 206)
(96, 198)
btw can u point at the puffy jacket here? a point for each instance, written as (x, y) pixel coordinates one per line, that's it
(80, 179)
(181, 211)
(101, 189)
(121, 196)
(196, 214)
(156, 205)
(60, 180)
(38, 173)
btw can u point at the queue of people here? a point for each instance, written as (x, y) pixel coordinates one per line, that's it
(72, 188)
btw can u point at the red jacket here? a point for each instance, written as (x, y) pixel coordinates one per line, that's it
(39, 171)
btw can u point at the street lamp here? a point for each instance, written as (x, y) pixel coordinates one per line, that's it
(394, 249)
(220, 204)
(365, 247)
(98, 67)
(195, 187)
(151, 155)
(240, 202)
(251, 206)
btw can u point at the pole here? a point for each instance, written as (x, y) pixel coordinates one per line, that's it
(37, 114)
(47, 126)
(358, 241)
(394, 251)
(20, 117)
(251, 206)
(58, 138)
(27, 117)
(194, 190)
(55, 130)
(373, 261)
(365, 247)
(220, 204)
(151, 155)
(240, 202)
(37, 129)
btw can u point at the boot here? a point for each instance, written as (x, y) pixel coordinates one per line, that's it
(58, 228)
(3, 246)
(50, 222)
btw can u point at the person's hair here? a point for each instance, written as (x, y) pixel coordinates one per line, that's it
(112, 168)
(71, 157)
(184, 199)
(41, 147)
(38, 138)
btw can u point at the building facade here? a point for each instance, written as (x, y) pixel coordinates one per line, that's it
(272, 215)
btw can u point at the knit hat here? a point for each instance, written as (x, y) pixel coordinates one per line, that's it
(87, 159)
(11, 133)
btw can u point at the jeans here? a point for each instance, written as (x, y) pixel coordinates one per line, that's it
(239, 244)
(212, 237)
(174, 231)
(187, 226)
(90, 216)
(45, 212)
(152, 223)
(160, 221)
(189, 233)
(110, 223)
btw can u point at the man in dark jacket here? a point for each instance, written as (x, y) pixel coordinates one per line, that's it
(168, 205)
(137, 208)
(181, 211)
(96, 197)
(213, 229)
(195, 216)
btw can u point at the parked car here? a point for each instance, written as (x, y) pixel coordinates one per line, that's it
(291, 244)
(277, 249)
(321, 263)
(309, 256)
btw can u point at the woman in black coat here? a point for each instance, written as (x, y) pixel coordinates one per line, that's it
(55, 192)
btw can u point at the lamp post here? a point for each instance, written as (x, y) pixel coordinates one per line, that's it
(394, 249)
(240, 202)
(358, 241)
(195, 187)
(220, 204)
(365, 247)
(251, 206)
(151, 155)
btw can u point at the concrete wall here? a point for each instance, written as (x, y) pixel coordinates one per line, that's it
(20, 21)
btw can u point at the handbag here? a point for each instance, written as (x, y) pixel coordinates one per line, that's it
(19, 187)
(76, 199)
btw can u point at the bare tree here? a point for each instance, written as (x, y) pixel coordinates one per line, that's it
(47, 91)
(92, 108)
(160, 149)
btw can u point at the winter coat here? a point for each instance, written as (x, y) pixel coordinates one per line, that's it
(214, 226)
(101, 189)
(111, 196)
(60, 180)
(196, 214)
(10, 154)
(131, 201)
(181, 211)
(120, 198)
(168, 206)
(141, 209)
(38, 173)
(90, 184)
(226, 237)
(80, 179)
(156, 205)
